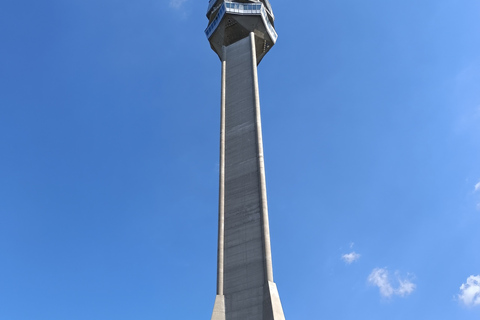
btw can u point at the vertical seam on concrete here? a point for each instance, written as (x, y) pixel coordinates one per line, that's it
(261, 166)
(221, 202)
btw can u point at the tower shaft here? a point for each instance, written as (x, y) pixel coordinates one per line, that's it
(245, 287)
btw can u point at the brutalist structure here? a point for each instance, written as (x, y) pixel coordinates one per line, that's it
(241, 33)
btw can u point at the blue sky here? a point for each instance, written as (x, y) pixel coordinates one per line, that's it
(109, 135)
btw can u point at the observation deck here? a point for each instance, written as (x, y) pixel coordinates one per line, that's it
(231, 21)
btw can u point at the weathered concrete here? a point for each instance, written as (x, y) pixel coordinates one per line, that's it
(219, 308)
(245, 287)
(241, 33)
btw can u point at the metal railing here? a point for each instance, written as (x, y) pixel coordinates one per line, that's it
(214, 24)
(211, 4)
(270, 28)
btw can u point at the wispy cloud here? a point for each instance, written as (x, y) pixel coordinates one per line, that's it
(350, 257)
(405, 287)
(470, 291)
(380, 277)
(475, 190)
(177, 4)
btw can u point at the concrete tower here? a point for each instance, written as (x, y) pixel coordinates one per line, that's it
(241, 32)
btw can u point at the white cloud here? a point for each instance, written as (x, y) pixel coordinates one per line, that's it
(177, 4)
(477, 189)
(405, 287)
(350, 257)
(470, 291)
(381, 278)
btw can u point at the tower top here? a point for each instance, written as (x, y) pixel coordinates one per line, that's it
(213, 3)
(233, 20)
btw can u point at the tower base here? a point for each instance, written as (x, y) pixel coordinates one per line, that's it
(219, 308)
(272, 307)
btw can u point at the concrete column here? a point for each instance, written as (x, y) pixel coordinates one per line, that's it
(245, 287)
(221, 202)
(261, 166)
